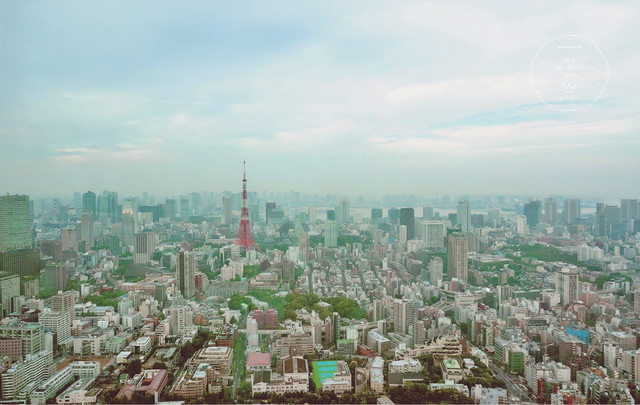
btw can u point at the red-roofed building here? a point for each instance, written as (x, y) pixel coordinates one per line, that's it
(258, 361)
(148, 382)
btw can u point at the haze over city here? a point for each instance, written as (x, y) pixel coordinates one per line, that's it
(270, 202)
(328, 97)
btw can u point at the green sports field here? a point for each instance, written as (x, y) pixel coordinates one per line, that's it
(323, 370)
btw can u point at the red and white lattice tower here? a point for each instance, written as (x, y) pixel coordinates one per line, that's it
(244, 233)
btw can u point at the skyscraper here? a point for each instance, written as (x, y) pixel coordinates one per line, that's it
(86, 233)
(303, 244)
(427, 212)
(464, 215)
(227, 209)
(393, 215)
(457, 258)
(342, 211)
(269, 206)
(15, 222)
(407, 219)
(89, 203)
(331, 234)
(186, 273)
(571, 210)
(376, 214)
(402, 315)
(567, 286)
(532, 212)
(550, 210)
(144, 245)
(185, 212)
(170, 209)
(436, 271)
(433, 233)
(65, 302)
(129, 223)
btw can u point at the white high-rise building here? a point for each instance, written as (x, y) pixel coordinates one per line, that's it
(402, 234)
(567, 286)
(521, 225)
(572, 210)
(144, 244)
(436, 271)
(402, 315)
(433, 233)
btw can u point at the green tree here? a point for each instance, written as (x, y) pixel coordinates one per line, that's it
(134, 367)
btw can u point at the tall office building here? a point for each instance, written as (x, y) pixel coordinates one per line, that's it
(427, 212)
(331, 234)
(186, 273)
(269, 206)
(457, 257)
(521, 225)
(571, 210)
(15, 222)
(433, 233)
(65, 302)
(376, 214)
(550, 210)
(227, 209)
(144, 245)
(9, 288)
(129, 223)
(170, 209)
(86, 226)
(629, 209)
(89, 203)
(407, 219)
(402, 315)
(342, 211)
(77, 200)
(436, 271)
(185, 212)
(567, 286)
(532, 211)
(464, 215)
(393, 215)
(312, 214)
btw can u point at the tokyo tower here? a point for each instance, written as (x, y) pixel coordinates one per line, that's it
(244, 233)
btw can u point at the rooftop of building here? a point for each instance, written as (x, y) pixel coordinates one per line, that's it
(258, 359)
(451, 363)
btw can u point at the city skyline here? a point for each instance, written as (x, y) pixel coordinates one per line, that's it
(173, 99)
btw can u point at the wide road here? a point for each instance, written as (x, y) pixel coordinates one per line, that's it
(512, 386)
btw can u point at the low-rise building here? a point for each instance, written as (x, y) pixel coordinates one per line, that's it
(149, 382)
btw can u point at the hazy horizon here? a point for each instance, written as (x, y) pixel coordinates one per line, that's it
(341, 98)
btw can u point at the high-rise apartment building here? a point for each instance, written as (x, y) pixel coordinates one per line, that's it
(572, 211)
(144, 245)
(15, 222)
(303, 244)
(186, 273)
(407, 219)
(457, 257)
(65, 302)
(464, 215)
(402, 315)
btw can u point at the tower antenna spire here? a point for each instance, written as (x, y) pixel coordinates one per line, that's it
(245, 239)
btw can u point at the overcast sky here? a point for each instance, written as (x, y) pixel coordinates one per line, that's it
(327, 97)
